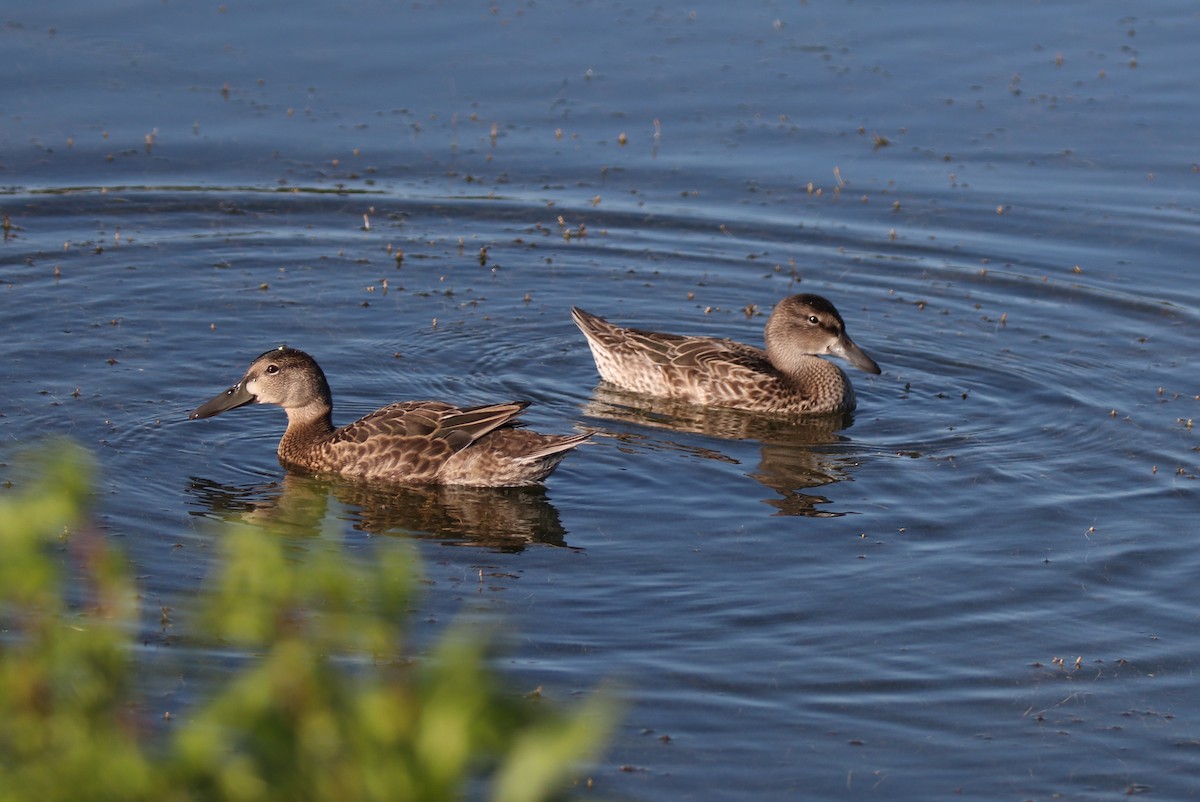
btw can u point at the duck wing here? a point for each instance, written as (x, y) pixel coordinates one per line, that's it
(411, 440)
(706, 354)
(617, 346)
(431, 420)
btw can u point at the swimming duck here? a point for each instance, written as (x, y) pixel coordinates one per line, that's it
(788, 378)
(415, 442)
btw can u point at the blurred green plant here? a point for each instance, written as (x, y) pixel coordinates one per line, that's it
(328, 706)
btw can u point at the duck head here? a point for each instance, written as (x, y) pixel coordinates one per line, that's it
(283, 376)
(809, 325)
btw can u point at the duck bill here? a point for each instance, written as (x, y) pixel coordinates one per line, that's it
(849, 351)
(236, 396)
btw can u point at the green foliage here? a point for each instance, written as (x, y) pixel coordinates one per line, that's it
(326, 707)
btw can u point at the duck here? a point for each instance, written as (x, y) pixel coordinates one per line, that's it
(789, 377)
(409, 442)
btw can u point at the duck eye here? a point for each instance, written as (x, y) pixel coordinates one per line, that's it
(271, 369)
(813, 319)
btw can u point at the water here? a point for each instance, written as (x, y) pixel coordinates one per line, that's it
(1001, 201)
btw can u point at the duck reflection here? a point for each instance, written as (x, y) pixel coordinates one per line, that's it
(502, 519)
(794, 457)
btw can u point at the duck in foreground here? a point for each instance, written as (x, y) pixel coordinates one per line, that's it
(414, 442)
(788, 378)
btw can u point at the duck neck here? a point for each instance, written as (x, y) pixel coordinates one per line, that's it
(789, 362)
(313, 420)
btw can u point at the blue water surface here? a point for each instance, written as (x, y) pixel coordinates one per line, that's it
(984, 587)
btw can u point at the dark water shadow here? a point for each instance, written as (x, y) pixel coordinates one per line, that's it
(501, 519)
(793, 455)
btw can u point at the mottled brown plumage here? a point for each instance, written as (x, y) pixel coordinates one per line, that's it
(788, 378)
(415, 442)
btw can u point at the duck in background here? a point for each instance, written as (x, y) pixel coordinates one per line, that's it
(790, 377)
